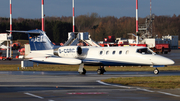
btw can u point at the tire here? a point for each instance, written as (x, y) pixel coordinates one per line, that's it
(100, 71)
(156, 71)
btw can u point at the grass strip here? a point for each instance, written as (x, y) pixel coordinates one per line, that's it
(160, 82)
(45, 67)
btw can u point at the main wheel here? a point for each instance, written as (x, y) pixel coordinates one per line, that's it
(156, 71)
(101, 70)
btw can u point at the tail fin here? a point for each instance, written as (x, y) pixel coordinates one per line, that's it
(38, 40)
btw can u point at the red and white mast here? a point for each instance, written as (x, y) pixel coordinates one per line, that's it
(136, 16)
(73, 16)
(10, 17)
(42, 12)
(8, 54)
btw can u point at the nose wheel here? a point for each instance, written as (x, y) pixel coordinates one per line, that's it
(156, 71)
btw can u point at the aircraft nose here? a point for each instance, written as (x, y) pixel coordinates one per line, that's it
(169, 62)
(160, 60)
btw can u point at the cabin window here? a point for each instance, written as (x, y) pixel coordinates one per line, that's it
(113, 52)
(120, 52)
(101, 52)
(144, 51)
(107, 52)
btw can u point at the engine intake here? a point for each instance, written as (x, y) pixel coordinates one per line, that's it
(68, 51)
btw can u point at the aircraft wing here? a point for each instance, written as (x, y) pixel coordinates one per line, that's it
(56, 60)
(41, 53)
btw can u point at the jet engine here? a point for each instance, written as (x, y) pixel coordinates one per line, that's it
(68, 51)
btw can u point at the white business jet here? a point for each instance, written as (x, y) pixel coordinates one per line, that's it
(43, 51)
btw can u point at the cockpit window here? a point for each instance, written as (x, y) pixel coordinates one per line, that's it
(144, 51)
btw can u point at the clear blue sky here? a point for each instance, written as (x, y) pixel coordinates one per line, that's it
(117, 8)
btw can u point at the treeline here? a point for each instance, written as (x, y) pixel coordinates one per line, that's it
(57, 28)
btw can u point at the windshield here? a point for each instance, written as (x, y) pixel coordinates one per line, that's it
(144, 51)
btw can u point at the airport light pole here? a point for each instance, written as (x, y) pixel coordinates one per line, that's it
(10, 35)
(136, 16)
(73, 15)
(42, 14)
(137, 36)
(10, 17)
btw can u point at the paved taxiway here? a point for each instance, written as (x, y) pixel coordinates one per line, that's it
(70, 86)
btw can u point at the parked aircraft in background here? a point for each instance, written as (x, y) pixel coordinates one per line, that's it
(43, 51)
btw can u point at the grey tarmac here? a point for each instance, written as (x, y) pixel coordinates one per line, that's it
(70, 86)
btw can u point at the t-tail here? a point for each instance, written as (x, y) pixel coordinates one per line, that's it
(38, 40)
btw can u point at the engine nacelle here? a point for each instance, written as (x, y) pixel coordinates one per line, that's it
(68, 51)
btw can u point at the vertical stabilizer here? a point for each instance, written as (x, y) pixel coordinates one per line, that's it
(38, 40)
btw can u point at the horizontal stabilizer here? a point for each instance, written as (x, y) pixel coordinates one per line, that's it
(16, 31)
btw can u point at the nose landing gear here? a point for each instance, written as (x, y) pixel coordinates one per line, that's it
(156, 71)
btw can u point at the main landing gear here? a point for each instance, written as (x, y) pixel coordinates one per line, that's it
(83, 72)
(81, 69)
(156, 71)
(101, 70)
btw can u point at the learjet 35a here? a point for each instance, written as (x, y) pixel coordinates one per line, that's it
(43, 51)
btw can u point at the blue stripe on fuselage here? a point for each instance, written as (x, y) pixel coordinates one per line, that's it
(109, 63)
